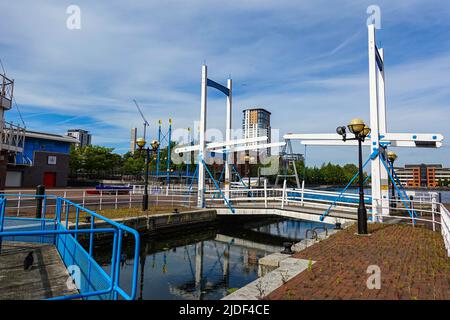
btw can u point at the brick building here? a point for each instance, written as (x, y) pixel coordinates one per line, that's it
(423, 175)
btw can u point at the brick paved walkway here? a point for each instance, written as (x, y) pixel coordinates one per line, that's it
(413, 263)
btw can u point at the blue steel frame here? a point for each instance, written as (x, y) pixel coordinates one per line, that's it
(161, 138)
(322, 217)
(217, 186)
(402, 194)
(62, 230)
(393, 178)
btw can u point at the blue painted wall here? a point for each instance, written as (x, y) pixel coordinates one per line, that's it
(36, 144)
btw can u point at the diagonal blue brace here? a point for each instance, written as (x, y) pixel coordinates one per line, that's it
(221, 174)
(216, 185)
(371, 157)
(401, 192)
(194, 176)
(239, 176)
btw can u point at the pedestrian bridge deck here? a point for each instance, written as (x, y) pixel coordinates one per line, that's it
(46, 279)
(289, 211)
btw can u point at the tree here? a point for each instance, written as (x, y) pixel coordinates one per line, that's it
(94, 160)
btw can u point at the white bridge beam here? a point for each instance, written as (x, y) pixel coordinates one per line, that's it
(214, 145)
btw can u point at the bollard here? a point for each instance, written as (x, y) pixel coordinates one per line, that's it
(40, 192)
(411, 198)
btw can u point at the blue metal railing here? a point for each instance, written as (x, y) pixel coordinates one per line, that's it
(92, 281)
(341, 194)
(398, 187)
(222, 195)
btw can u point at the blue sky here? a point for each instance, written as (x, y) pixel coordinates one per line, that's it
(305, 61)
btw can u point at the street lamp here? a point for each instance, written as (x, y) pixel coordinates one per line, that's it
(360, 131)
(392, 157)
(154, 147)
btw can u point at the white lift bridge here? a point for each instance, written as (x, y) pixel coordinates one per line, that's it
(329, 206)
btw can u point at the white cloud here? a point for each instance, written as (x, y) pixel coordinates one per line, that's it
(303, 60)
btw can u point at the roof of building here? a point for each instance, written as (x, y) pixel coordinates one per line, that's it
(261, 109)
(49, 136)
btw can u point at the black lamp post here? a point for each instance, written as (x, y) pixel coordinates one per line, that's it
(247, 167)
(141, 144)
(392, 157)
(361, 131)
(248, 159)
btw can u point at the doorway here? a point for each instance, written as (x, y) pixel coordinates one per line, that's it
(50, 179)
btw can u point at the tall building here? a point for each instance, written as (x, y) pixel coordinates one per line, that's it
(256, 123)
(133, 140)
(423, 175)
(83, 136)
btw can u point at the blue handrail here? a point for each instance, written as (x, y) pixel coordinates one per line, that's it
(65, 238)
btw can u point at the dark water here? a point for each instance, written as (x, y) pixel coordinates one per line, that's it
(205, 264)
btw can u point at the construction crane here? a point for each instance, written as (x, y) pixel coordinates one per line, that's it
(146, 124)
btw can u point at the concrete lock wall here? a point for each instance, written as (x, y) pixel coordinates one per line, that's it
(160, 222)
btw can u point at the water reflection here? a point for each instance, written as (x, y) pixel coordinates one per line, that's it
(208, 263)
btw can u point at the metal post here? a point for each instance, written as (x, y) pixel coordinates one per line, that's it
(2, 217)
(168, 153)
(202, 141)
(433, 210)
(188, 161)
(158, 155)
(382, 124)
(248, 173)
(259, 177)
(374, 123)
(18, 203)
(265, 193)
(145, 196)
(40, 192)
(362, 212)
(130, 198)
(84, 198)
(284, 194)
(228, 128)
(394, 204)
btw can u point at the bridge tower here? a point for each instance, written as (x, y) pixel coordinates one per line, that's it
(287, 159)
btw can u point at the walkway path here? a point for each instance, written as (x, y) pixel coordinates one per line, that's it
(413, 264)
(46, 279)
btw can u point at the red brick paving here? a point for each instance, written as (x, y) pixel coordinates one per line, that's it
(413, 263)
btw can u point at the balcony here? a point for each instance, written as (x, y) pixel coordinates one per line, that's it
(12, 137)
(6, 92)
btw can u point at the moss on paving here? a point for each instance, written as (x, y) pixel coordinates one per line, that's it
(413, 263)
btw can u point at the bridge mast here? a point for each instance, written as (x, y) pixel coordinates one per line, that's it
(202, 142)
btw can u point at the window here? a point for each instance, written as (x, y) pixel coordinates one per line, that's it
(51, 160)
